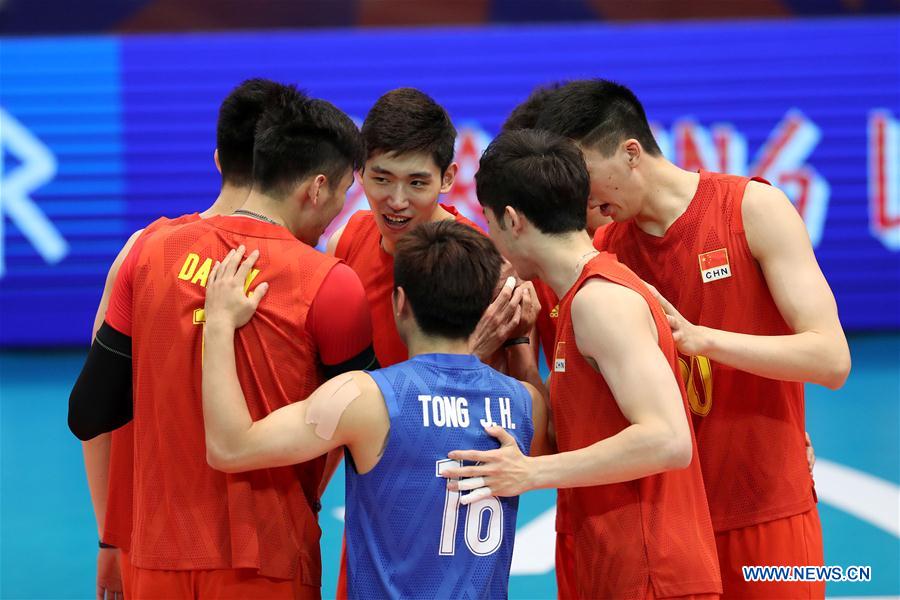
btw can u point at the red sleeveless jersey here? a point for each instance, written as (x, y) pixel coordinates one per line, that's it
(546, 319)
(750, 430)
(652, 531)
(360, 247)
(188, 516)
(117, 523)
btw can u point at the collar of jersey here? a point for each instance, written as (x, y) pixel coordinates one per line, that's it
(252, 227)
(469, 361)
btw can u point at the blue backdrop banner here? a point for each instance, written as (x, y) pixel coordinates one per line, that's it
(102, 135)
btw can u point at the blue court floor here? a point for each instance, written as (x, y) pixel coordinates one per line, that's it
(48, 540)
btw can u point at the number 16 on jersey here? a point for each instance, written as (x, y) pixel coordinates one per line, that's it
(484, 520)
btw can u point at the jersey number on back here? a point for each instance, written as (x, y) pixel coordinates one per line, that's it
(484, 521)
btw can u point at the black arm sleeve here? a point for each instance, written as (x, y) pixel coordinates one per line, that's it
(364, 361)
(101, 399)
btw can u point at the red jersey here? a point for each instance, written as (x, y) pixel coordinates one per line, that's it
(652, 531)
(360, 247)
(188, 516)
(546, 319)
(750, 430)
(117, 523)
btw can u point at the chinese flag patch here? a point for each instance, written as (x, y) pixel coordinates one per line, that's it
(714, 265)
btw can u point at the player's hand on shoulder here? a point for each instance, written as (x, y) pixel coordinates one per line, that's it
(690, 339)
(227, 304)
(109, 577)
(501, 472)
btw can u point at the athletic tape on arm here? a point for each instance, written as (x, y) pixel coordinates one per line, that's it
(328, 404)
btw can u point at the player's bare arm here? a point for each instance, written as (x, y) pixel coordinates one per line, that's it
(541, 442)
(96, 452)
(521, 359)
(336, 456)
(347, 410)
(817, 352)
(615, 331)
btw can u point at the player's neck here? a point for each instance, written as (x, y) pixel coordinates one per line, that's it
(669, 192)
(231, 197)
(419, 343)
(270, 209)
(561, 258)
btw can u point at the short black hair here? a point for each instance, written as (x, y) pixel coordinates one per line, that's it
(525, 115)
(448, 271)
(298, 137)
(236, 128)
(599, 114)
(405, 121)
(540, 174)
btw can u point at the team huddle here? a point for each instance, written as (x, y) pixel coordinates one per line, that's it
(234, 365)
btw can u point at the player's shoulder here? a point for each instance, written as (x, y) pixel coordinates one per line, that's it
(186, 227)
(361, 218)
(599, 288)
(764, 206)
(602, 305)
(364, 386)
(363, 381)
(499, 379)
(461, 218)
(760, 197)
(770, 220)
(163, 222)
(352, 235)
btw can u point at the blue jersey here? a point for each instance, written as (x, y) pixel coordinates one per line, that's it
(408, 536)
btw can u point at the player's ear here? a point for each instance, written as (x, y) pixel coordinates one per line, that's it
(449, 177)
(398, 300)
(633, 152)
(515, 219)
(318, 182)
(216, 160)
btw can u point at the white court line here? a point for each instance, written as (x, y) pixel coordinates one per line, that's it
(535, 549)
(864, 496)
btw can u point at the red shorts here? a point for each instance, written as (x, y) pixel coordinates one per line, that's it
(792, 541)
(125, 570)
(214, 583)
